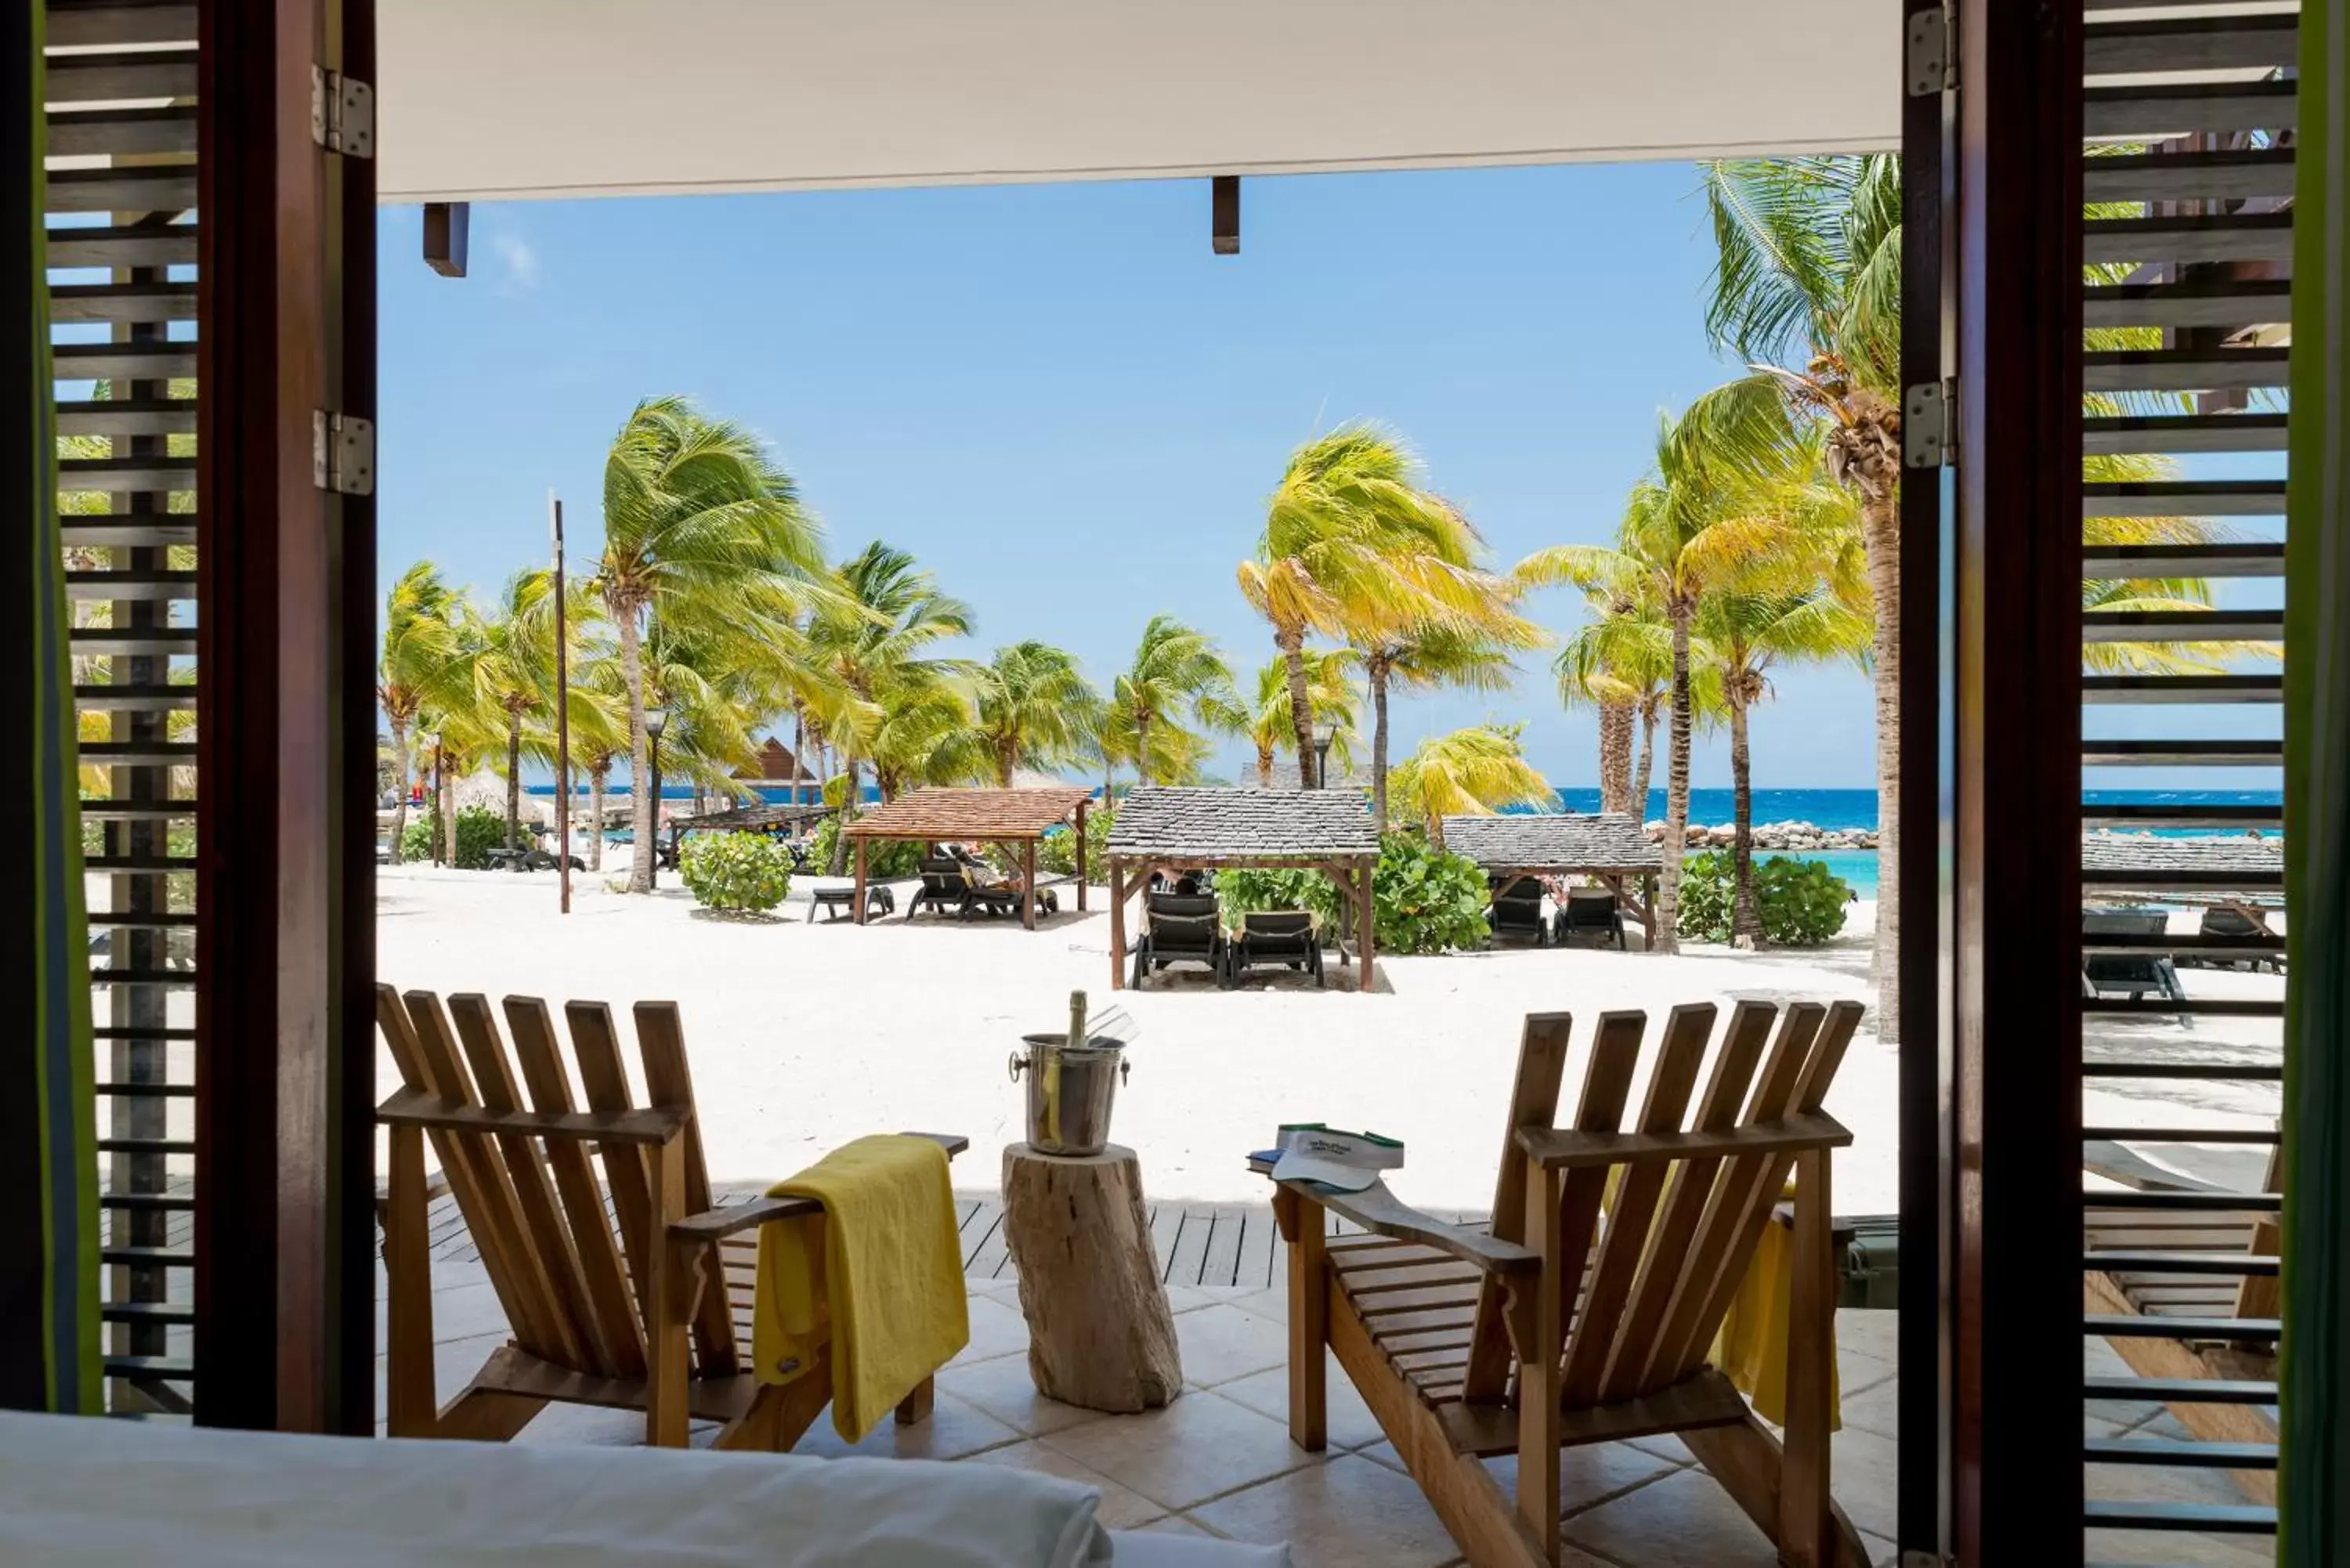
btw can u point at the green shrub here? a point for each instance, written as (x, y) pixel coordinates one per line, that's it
(1426, 900)
(479, 831)
(1801, 902)
(1248, 891)
(418, 839)
(884, 862)
(1058, 853)
(736, 870)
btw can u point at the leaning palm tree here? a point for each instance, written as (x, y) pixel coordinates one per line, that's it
(1033, 708)
(1808, 272)
(1352, 545)
(1743, 636)
(703, 532)
(1177, 684)
(419, 647)
(876, 636)
(1469, 773)
(1272, 730)
(1715, 515)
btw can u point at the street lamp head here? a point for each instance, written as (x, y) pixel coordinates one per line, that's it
(656, 721)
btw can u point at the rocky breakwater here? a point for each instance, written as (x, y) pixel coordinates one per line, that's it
(1786, 835)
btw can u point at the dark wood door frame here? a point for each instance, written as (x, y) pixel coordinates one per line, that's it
(285, 886)
(2016, 778)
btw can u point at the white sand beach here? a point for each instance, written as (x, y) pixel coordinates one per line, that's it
(803, 1035)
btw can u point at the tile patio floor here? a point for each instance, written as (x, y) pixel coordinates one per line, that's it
(1219, 1460)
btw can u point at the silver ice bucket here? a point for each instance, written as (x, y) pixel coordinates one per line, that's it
(1070, 1091)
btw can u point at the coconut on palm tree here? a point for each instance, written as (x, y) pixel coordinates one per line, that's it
(704, 532)
(1469, 773)
(1177, 686)
(1352, 545)
(1272, 730)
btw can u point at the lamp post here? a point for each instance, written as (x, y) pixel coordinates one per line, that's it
(656, 721)
(1322, 762)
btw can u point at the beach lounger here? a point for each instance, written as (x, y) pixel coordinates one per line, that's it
(1516, 912)
(2225, 921)
(644, 1307)
(1181, 927)
(1567, 1325)
(943, 887)
(1591, 915)
(2128, 974)
(841, 903)
(1275, 938)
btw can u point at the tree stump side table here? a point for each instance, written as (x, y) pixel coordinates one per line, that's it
(1099, 1332)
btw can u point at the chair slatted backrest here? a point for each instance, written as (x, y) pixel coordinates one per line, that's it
(1659, 1247)
(568, 1270)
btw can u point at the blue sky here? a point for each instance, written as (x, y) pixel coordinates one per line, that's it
(1064, 404)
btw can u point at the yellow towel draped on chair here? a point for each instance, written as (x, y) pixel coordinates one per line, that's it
(875, 1280)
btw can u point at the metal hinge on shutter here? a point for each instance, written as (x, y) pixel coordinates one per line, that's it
(342, 453)
(342, 113)
(1929, 432)
(1932, 58)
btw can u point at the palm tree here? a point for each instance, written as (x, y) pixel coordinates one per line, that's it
(872, 639)
(1033, 708)
(1469, 773)
(514, 673)
(1272, 730)
(1710, 518)
(702, 530)
(420, 642)
(1176, 679)
(1621, 663)
(1742, 636)
(1438, 654)
(1352, 546)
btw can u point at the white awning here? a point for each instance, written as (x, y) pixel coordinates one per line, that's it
(506, 99)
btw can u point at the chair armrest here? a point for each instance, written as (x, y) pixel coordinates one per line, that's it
(655, 1127)
(1382, 1213)
(1565, 1148)
(716, 1224)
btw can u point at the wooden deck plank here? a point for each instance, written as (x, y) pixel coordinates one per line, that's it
(1192, 1246)
(1222, 1263)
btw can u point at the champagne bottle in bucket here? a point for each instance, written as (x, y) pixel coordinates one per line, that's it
(1072, 1078)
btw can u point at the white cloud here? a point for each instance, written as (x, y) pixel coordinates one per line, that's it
(520, 261)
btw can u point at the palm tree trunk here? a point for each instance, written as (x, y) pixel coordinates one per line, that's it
(595, 833)
(1745, 915)
(838, 864)
(400, 806)
(1639, 803)
(1376, 669)
(1616, 756)
(513, 778)
(1677, 785)
(1263, 768)
(1142, 745)
(641, 773)
(1300, 704)
(1880, 515)
(799, 746)
(448, 806)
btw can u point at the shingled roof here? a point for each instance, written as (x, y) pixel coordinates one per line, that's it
(752, 819)
(1234, 826)
(948, 815)
(1553, 842)
(2112, 854)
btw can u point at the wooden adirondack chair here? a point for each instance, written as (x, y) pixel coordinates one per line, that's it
(1568, 1326)
(644, 1307)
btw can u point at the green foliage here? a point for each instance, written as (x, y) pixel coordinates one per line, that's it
(886, 861)
(1426, 900)
(1423, 900)
(1058, 853)
(736, 870)
(479, 831)
(1801, 902)
(1247, 892)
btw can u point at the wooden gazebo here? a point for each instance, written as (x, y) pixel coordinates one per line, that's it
(1607, 846)
(1022, 816)
(1176, 830)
